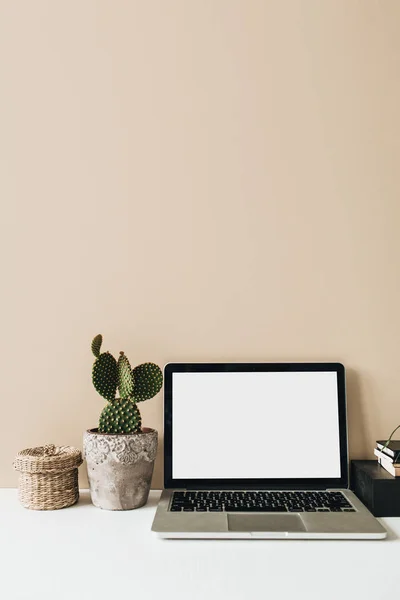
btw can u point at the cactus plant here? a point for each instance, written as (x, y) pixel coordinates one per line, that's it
(121, 414)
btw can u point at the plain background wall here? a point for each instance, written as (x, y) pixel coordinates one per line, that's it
(196, 180)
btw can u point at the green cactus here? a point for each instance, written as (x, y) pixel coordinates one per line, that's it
(96, 345)
(105, 375)
(121, 415)
(148, 381)
(125, 377)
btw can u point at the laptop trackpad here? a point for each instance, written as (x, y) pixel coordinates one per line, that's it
(265, 523)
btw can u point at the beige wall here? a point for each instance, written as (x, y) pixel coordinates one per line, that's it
(197, 180)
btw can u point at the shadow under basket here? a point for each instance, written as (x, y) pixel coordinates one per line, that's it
(48, 476)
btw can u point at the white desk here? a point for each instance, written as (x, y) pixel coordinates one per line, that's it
(84, 553)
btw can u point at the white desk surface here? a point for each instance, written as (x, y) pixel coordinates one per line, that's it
(84, 553)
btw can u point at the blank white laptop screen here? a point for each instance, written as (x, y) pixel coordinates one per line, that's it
(268, 425)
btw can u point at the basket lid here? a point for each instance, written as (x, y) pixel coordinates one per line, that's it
(47, 459)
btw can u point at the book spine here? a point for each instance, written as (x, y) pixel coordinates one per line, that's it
(387, 465)
(393, 454)
(388, 468)
(384, 456)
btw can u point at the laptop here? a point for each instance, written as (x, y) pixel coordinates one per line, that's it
(258, 450)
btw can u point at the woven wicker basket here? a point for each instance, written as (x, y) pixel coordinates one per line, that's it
(48, 476)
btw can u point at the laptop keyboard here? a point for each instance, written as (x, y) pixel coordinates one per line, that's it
(259, 501)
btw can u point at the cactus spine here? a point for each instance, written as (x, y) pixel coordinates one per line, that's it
(122, 415)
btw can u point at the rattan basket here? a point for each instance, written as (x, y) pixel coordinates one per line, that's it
(48, 476)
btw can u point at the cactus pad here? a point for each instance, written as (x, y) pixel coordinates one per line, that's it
(120, 416)
(105, 375)
(125, 377)
(96, 345)
(148, 379)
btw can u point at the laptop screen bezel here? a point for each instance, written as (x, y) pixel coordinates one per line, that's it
(222, 484)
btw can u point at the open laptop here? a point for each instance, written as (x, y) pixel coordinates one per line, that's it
(258, 451)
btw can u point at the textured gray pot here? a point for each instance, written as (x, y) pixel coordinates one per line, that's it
(120, 467)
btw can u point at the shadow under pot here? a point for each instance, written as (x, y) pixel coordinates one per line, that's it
(120, 467)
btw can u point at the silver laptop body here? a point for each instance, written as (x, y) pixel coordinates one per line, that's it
(239, 436)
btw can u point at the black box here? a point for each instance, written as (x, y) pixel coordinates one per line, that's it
(376, 488)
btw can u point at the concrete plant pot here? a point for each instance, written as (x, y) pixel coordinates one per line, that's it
(120, 467)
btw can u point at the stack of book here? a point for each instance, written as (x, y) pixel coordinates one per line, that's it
(389, 456)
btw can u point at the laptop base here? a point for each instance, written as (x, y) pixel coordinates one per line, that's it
(355, 525)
